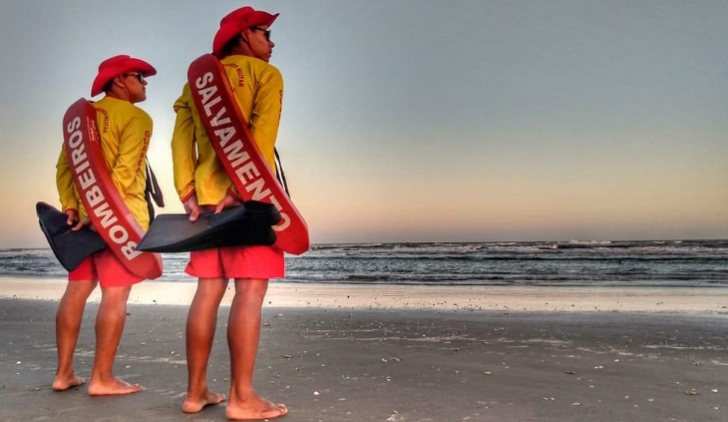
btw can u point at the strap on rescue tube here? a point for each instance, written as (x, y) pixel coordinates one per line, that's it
(109, 214)
(239, 154)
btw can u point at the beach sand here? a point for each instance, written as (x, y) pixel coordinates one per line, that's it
(400, 354)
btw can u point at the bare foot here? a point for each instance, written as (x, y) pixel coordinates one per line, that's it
(66, 382)
(112, 388)
(255, 408)
(195, 404)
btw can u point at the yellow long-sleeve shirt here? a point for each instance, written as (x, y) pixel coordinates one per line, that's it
(258, 88)
(125, 132)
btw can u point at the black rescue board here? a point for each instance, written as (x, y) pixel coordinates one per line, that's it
(249, 224)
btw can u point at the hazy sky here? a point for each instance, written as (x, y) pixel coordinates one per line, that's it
(419, 120)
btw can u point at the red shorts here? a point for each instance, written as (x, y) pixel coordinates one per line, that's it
(262, 262)
(105, 267)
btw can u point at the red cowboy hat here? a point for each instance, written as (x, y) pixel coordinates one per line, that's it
(237, 20)
(117, 65)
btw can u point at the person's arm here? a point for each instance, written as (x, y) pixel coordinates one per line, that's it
(184, 152)
(70, 204)
(132, 152)
(64, 184)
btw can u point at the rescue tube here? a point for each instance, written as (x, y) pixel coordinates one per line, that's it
(70, 247)
(108, 212)
(249, 224)
(239, 154)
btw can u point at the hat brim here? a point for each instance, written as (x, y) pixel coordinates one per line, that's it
(137, 65)
(128, 65)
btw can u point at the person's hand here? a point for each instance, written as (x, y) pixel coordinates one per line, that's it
(192, 208)
(86, 221)
(72, 217)
(228, 201)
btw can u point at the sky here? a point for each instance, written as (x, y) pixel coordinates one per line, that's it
(418, 120)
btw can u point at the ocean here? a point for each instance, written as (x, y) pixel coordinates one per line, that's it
(683, 263)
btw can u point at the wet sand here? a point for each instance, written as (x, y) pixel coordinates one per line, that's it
(382, 296)
(430, 355)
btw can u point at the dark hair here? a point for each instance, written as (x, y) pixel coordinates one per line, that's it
(230, 46)
(107, 85)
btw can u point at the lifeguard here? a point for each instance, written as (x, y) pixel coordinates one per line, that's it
(244, 46)
(124, 132)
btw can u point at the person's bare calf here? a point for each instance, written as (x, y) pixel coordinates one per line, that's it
(68, 324)
(199, 335)
(110, 322)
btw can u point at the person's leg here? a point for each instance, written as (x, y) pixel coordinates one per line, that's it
(201, 323)
(243, 338)
(110, 322)
(68, 325)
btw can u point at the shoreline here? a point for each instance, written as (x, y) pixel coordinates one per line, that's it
(687, 300)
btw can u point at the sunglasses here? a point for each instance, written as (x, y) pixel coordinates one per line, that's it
(138, 75)
(266, 31)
